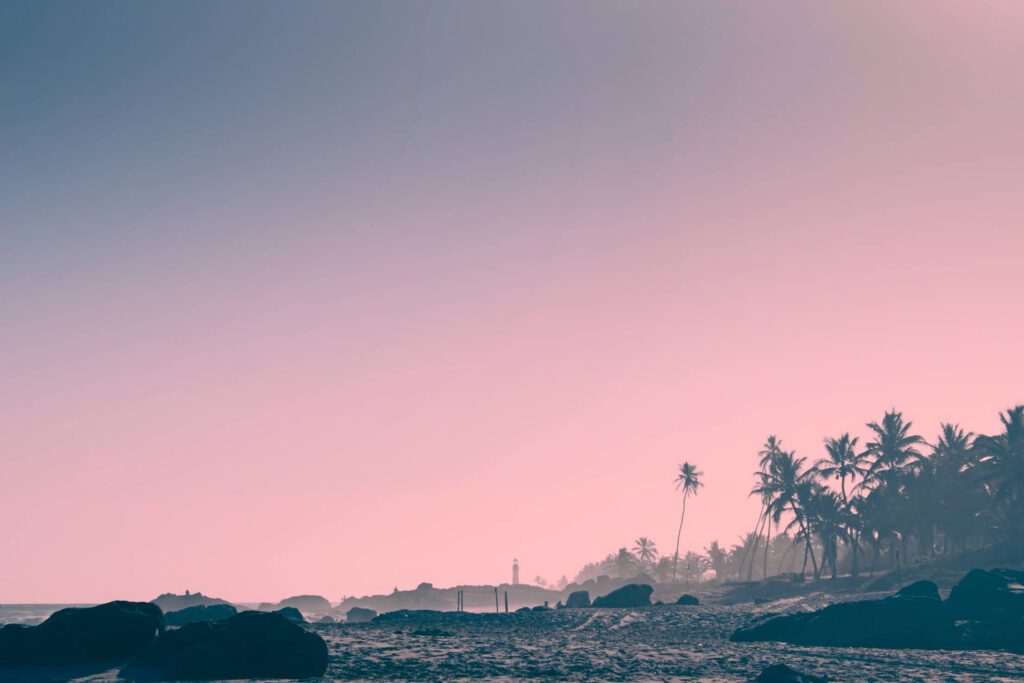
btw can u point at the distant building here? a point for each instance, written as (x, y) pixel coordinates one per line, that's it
(515, 572)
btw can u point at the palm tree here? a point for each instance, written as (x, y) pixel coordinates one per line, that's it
(625, 562)
(957, 494)
(645, 551)
(893, 446)
(717, 557)
(842, 462)
(688, 480)
(1001, 462)
(663, 569)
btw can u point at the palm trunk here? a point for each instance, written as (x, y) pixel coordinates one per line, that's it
(753, 549)
(679, 534)
(767, 545)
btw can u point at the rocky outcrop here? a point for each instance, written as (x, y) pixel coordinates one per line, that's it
(327, 619)
(988, 607)
(988, 595)
(780, 673)
(111, 632)
(360, 615)
(247, 645)
(687, 599)
(291, 614)
(169, 602)
(895, 622)
(578, 599)
(919, 589)
(307, 604)
(190, 615)
(632, 595)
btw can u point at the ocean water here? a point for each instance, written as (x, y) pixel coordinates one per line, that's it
(29, 614)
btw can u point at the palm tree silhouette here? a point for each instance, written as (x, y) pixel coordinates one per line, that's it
(892, 448)
(1001, 461)
(645, 551)
(842, 462)
(688, 480)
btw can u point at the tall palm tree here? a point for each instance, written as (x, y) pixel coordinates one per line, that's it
(769, 452)
(645, 551)
(1001, 462)
(957, 494)
(688, 481)
(842, 462)
(892, 446)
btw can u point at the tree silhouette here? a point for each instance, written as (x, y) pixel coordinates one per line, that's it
(687, 480)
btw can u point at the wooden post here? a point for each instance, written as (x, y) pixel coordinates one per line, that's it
(506, 602)
(496, 610)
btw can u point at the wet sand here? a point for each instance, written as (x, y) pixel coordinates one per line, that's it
(655, 643)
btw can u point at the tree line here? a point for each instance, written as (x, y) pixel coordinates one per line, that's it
(895, 497)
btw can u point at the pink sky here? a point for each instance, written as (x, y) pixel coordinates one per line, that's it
(413, 324)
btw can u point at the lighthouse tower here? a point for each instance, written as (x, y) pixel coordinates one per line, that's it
(515, 572)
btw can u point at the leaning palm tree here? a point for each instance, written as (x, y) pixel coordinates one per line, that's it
(645, 551)
(688, 481)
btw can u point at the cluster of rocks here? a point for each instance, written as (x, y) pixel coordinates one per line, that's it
(234, 645)
(984, 611)
(631, 595)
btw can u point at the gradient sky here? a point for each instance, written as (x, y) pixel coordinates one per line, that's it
(333, 297)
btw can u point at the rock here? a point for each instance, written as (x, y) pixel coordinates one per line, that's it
(989, 609)
(687, 599)
(291, 614)
(895, 622)
(247, 645)
(308, 604)
(578, 599)
(199, 613)
(988, 595)
(326, 619)
(360, 615)
(111, 632)
(169, 602)
(521, 610)
(780, 673)
(920, 589)
(541, 608)
(631, 595)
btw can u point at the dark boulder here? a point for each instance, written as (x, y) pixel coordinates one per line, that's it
(780, 673)
(247, 645)
(578, 599)
(920, 589)
(199, 613)
(686, 599)
(988, 595)
(169, 602)
(291, 614)
(360, 615)
(895, 622)
(523, 610)
(326, 619)
(308, 604)
(111, 632)
(631, 595)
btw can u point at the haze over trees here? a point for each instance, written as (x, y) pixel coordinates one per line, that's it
(865, 503)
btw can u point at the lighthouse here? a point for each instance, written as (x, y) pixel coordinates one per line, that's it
(515, 572)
